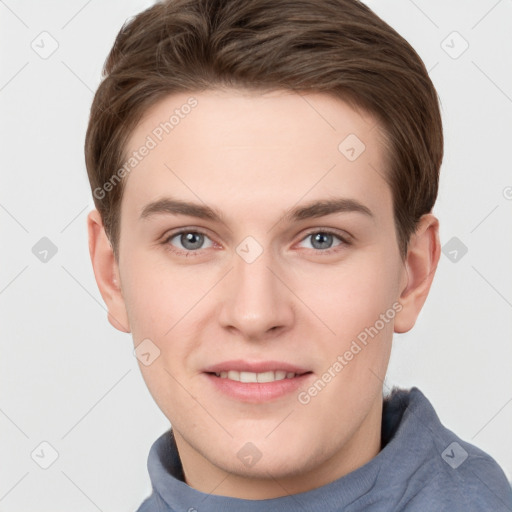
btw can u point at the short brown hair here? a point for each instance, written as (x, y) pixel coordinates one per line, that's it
(338, 47)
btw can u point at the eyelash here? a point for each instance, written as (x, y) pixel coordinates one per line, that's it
(197, 252)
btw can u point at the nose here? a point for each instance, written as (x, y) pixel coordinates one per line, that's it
(256, 299)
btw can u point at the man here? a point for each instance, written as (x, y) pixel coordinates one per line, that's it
(264, 175)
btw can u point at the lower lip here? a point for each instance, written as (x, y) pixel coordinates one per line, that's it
(257, 392)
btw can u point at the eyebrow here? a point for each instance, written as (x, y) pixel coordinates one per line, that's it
(318, 208)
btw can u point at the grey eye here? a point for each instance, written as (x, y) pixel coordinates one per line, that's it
(323, 240)
(189, 240)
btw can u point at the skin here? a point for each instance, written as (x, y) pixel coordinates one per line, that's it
(253, 157)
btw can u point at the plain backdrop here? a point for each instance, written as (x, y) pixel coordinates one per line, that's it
(68, 379)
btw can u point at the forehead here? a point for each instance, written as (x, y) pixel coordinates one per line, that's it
(271, 148)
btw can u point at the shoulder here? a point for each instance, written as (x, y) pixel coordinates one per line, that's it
(454, 475)
(479, 481)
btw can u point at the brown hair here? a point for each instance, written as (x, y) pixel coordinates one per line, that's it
(338, 47)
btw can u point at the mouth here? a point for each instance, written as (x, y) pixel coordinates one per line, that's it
(256, 382)
(262, 377)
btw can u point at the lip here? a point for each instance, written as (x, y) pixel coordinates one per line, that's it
(257, 392)
(241, 365)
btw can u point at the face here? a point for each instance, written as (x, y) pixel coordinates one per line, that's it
(270, 297)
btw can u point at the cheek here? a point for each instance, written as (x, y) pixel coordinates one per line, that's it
(350, 296)
(155, 295)
(162, 303)
(351, 300)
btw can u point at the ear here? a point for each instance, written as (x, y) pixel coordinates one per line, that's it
(420, 267)
(106, 272)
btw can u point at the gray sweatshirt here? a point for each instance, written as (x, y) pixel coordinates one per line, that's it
(422, 466)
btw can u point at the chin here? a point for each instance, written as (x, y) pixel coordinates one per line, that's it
(264, 459)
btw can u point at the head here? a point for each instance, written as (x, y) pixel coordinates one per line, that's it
(309, 138)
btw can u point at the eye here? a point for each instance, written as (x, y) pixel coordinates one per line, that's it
(189, 242)
(322, 240)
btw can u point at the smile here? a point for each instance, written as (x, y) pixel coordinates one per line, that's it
(269, 376)
(257, 382)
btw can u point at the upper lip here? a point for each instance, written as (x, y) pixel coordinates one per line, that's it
(240, 365)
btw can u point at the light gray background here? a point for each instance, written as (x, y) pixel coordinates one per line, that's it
(68, 378)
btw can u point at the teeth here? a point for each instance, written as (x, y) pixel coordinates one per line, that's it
(256, 377)
(265, 377)
(232, 375)
(245, 376)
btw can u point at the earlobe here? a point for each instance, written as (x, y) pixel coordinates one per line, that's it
(106, 272)
(420, 267)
